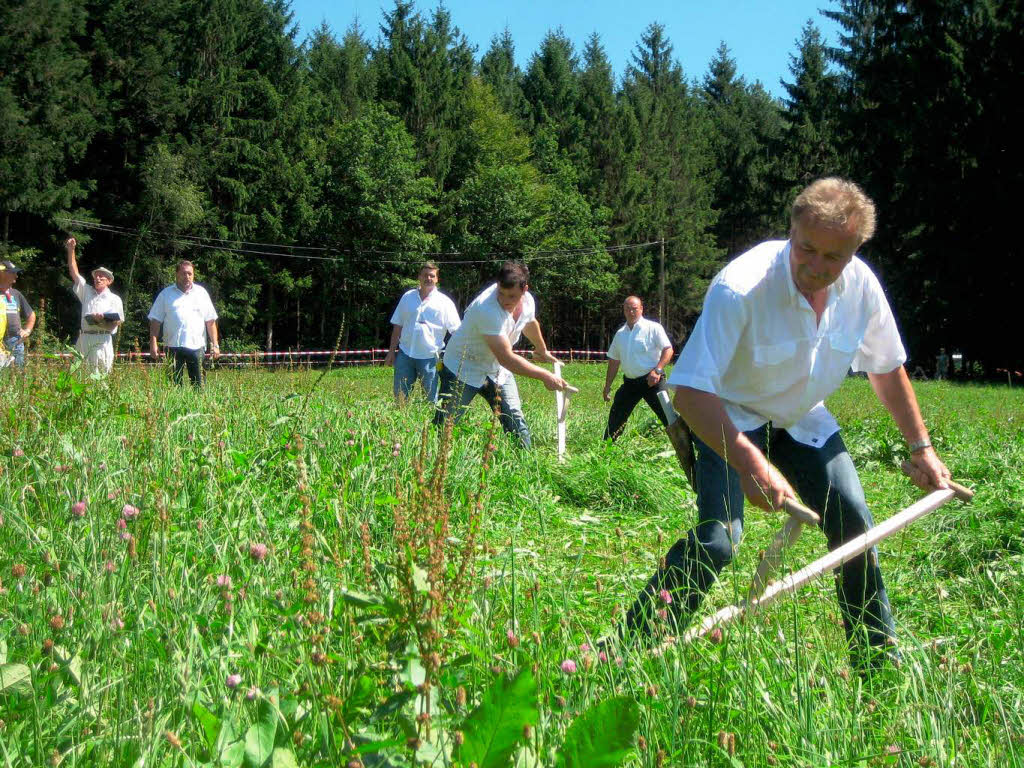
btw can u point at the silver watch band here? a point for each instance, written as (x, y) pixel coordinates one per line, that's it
(919, 445)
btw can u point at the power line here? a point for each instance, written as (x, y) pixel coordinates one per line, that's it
(220, 244)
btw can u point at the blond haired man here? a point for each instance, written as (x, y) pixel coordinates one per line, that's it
(781, 326)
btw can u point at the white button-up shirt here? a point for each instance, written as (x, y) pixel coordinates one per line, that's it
(527, 312)
(96, 303)
(424, 322)
(639, 348)
(184, 315)
(467, 354)
(758, 346)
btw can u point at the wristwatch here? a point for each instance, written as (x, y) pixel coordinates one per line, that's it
(660, 371)
(919, 445)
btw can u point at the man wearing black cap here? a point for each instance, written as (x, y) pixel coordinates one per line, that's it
(102, 313)
(16, 306)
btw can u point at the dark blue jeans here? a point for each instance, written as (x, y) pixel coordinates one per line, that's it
(456, 395)
(192, 359)
(826, 480)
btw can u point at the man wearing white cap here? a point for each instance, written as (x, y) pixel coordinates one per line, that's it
(102, 313)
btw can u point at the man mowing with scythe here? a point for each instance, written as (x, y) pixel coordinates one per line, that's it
(780, 328)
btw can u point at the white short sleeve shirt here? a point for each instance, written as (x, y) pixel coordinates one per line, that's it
(527, 313)
(467, 354)
(758, 346)
(424, 322)
(184, 315)
(638, 349)
(96, 303)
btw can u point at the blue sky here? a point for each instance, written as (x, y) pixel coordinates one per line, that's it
(761, 34)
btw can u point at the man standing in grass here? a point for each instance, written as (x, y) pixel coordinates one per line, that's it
(482, 346)
(21, 318)
(781, 326)
(188, 318)
(419, 324)
(102, 313)
(641, 347)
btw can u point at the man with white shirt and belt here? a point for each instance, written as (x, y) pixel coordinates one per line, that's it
(419, 324)
(780, 328)
(188, 318)
(481, 347)
(102, 313)
(642, 348)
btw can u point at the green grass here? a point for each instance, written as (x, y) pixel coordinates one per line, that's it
(128, 644)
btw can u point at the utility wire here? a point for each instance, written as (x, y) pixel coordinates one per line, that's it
(212, 243)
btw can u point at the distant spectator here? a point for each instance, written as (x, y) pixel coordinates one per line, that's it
(941, 365)
(102, 313)
(188, 319)
(419, 324)
(21, 318)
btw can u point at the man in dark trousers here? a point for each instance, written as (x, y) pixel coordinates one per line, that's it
(642, 349)
(781, 326)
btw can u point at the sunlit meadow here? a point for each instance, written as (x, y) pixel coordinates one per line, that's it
(285, 569)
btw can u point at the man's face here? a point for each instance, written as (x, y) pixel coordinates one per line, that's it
(100, 282)
(184, 277)
(7, 279)
(633, 309)
(428, 279)
(819, 253)
(509, 298)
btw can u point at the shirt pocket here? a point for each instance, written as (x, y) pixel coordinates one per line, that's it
(774, 355)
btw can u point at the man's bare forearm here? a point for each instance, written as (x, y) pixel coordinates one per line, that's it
(895, 392)
(705, 414)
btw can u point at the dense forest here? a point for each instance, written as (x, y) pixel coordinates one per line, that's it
(308, 179)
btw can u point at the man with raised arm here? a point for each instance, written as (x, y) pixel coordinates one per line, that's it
(482, 346)
(186, 312)
(102, 314)
(642, 349)
(419, 323)
(781, 326)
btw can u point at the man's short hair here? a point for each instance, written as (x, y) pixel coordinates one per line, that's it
(631, 296)
(514, 274)
(836, 202)
(184, 263)
(429, 265)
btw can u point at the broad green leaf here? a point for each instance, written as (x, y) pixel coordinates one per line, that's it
(359, 599)
(283, 758)
(209, 722)
(15, 678)
(494, 728)
(259, 739)
(602, 737)
(229, 749)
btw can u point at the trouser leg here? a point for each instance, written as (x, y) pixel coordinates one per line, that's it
(511, 411)
(405, 375)
(827, 481)
(179, 364)
(625, 400)
(453, 397)
(427, 371)
(492, 393)
(651, 397)
(693, 563)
